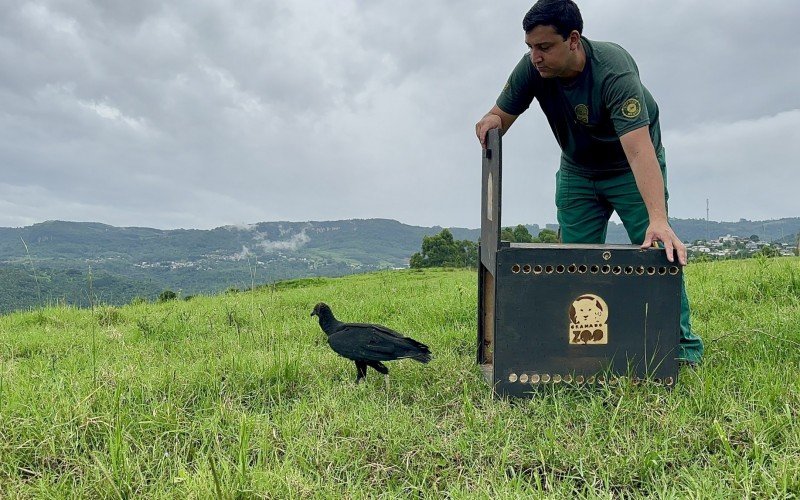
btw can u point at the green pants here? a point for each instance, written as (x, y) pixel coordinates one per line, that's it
(584, 208)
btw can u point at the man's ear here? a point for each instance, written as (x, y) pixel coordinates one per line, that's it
(574, 40)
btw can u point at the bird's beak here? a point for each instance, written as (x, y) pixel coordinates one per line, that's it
(313, 313)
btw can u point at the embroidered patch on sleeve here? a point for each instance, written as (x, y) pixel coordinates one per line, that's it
(631, 108)
(582, 113)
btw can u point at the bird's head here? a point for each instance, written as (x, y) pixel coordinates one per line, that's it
(320, 309)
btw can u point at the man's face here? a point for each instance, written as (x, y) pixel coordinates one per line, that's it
(550, 53)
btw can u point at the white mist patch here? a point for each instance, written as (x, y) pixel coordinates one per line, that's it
(245, 253)
(293, 243)
(241, 227)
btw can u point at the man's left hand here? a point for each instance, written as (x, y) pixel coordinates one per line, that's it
(663, 233)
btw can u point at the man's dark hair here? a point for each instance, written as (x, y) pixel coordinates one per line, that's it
(563, 15)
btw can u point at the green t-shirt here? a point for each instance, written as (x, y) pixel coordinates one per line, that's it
(590, 113)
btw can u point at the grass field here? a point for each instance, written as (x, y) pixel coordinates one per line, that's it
(239, 396)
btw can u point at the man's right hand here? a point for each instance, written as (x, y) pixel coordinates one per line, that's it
(496, 118)
(486, 124)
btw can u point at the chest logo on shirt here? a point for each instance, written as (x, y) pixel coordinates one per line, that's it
(631, 108)
(582, 113)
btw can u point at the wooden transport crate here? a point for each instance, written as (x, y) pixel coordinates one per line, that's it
(570, 314)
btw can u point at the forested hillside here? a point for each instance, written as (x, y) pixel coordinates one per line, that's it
(51, 262)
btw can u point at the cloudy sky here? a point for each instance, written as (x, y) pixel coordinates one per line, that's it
(203, 113)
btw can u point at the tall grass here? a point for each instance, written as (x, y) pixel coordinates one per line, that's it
(33, 269)
(239, 396)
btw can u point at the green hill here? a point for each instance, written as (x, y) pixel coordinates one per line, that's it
(49, 262)
(238, 396)
(22, 287)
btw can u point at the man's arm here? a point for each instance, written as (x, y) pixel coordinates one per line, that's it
(638, 147)
(495, 118)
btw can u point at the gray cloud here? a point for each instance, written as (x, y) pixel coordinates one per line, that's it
(202, 114)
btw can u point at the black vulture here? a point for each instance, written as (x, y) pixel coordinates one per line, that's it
(368, 345)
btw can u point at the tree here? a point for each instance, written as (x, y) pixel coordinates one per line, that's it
(519, 234)
(522, 235)
(470, 249)
(754, 237)
(442, 250)
(768, 251)
(548, 236)
(167, 295)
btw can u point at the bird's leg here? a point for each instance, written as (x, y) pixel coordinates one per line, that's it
(361, 367)
(381, 368)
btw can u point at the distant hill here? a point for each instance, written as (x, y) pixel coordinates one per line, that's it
(127, 262)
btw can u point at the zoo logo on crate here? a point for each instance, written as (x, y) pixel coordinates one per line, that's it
(588, 315)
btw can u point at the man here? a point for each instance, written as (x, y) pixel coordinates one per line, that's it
(606, 123)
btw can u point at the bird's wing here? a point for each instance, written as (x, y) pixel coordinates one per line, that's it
(380, 329)
(370, 343)
(402, 339)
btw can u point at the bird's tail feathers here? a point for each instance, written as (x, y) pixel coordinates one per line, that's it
(423, 357)
(424, 354)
